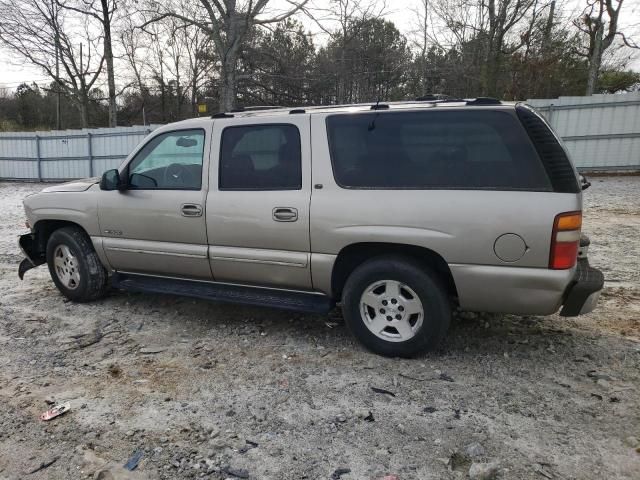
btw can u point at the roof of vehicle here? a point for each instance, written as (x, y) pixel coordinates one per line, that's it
(276, 111)
(427, 102)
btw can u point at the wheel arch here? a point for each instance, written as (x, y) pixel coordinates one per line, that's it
(354, 255)
(43, 229)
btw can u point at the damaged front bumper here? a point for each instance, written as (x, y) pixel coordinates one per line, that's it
(34, 257)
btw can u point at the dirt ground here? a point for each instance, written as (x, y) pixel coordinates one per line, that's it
(221, 391)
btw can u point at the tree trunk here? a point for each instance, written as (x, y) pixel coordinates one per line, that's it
(84, 109)
(108, 54)
(595, 61)
(229, 84)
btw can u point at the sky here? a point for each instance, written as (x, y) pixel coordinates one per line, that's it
(13, 71)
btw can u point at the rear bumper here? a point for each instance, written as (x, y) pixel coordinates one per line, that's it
(517, 290)
(528, 291)
(583, 293)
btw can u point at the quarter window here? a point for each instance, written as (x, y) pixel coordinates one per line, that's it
(170, 161)
(434, 150)
(261, 157)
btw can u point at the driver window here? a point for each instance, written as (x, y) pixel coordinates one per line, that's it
(170, 161)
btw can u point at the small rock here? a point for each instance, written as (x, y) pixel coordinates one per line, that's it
(341, 418)
(475, 450)
(339, 472)
(483, 471)
(603, 383)
(631, 441)
(130, 433)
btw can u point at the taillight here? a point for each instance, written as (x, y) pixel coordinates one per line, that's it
(565, 240)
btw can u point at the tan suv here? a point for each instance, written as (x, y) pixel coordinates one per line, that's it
(395, 211)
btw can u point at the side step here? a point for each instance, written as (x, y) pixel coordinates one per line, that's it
(224, 292)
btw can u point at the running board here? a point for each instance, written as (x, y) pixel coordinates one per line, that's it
(224, 292)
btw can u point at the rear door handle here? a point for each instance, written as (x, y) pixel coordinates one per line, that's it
(285, 214)
(191, 210)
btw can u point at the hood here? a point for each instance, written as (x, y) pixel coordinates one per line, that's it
(75, 186)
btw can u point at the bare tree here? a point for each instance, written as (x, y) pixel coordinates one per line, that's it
(102, 11)
(40, 32)
(341, 20)
(228, 23)
(599, 22)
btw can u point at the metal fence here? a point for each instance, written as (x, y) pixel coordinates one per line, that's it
(66, 154)
(601, 132)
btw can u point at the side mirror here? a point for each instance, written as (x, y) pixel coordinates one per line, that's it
(111, 180)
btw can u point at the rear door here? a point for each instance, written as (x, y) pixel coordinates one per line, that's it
(157, 225)
(258, 203)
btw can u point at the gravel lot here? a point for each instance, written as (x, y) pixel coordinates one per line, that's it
(239, 392)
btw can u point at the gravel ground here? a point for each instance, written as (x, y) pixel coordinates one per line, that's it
(220, 391)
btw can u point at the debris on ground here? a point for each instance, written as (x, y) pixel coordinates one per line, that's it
(383, 391)
(134, 460)
(45, 464)
(249, 445)
(339, 472)
(446, 378)
(483, 471)
(236, 472)
(152, 350)
(55, 411)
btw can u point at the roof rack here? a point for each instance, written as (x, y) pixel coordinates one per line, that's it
(222, 115)
(483, 101)
(256, 108)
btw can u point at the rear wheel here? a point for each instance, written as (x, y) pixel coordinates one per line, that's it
(74, 265)
(395, 307)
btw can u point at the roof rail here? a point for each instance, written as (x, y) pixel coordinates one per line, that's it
(222, 115)
(484, 101)
(297, 110)
(380, 106)
(256, 108)
(429, 97)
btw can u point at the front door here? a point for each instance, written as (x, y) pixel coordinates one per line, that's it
(157, 225)
(258, 204)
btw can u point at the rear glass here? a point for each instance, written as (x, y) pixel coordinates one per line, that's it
(458, 149)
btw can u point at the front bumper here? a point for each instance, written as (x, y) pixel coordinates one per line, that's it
(583, 292)
(33, 258)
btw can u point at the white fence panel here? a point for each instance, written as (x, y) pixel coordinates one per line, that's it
(601, 132)
(66, 154)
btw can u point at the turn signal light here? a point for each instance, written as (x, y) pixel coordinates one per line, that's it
(565, 240)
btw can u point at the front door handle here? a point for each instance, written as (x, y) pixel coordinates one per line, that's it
(285, 214)
(191, 210)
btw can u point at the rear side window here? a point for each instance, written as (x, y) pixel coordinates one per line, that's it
(458, 149)
(260, 157)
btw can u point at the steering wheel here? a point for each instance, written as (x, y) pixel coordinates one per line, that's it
(177, 175)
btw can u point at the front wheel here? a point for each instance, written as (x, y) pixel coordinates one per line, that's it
(74, 265)
(395, 307)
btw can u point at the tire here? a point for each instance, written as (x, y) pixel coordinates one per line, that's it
(74, 265)
(400, 279)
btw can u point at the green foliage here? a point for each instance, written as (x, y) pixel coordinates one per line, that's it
(615, 81)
